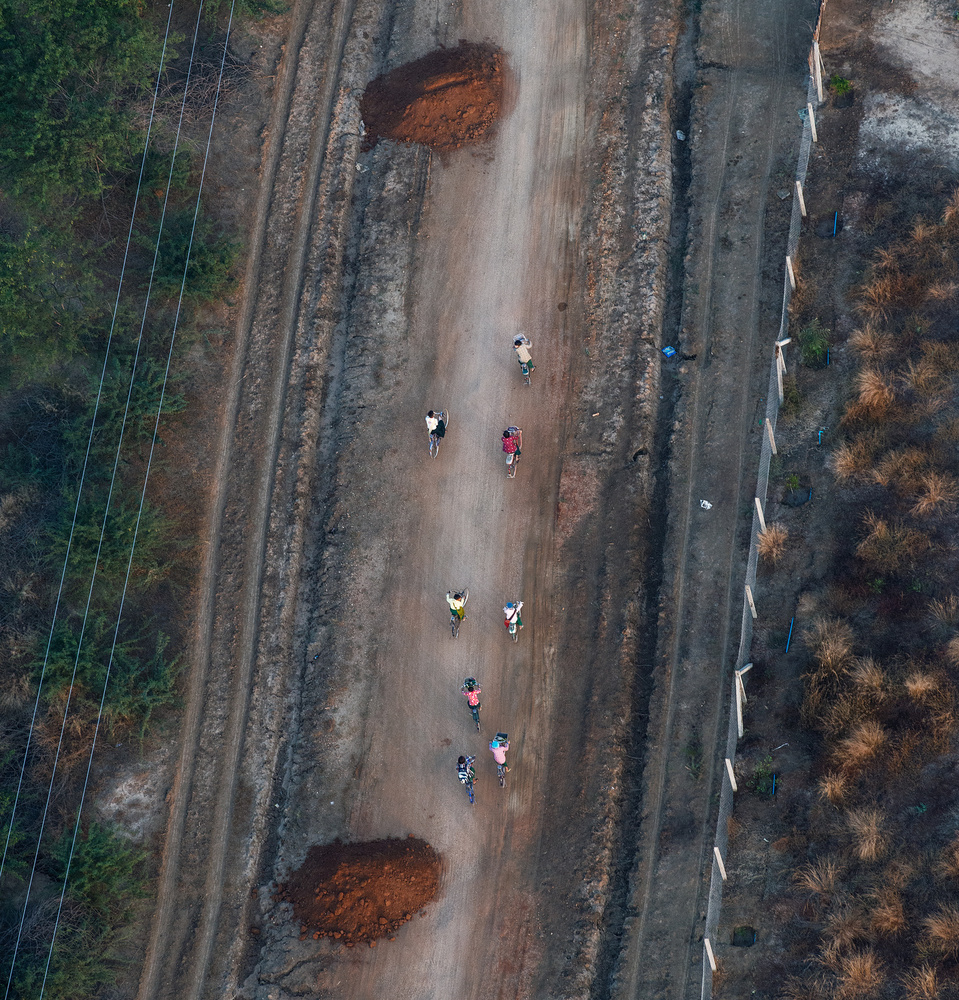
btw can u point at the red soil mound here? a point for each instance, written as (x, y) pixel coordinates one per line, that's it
(361, 892)
(446, 99)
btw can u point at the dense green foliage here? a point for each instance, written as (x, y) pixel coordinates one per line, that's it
(77, 78)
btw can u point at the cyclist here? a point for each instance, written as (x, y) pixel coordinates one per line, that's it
(522, 345)
(436, 426)
(512, 443)
(471, 692)
(499, 745)
(457, 600)
(511, 611)
(465, 770)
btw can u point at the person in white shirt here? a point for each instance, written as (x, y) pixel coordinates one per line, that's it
(522, 345)
(511, 611)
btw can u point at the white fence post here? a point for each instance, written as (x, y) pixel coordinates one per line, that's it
(817, 70)
(802, 200)
(732, 777)
(791, 272)
(762, 516)
(709, 954)
(749, 598)
(719, 861)
(812, 122)
(772, 437)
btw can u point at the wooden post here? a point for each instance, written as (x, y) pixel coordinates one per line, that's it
(802, 200)
(791, 272)
(739, 706)
(772, 438)
(742, 686)
(817, 70)
(779, 383)
(732, 777)
(709, 954)
(719, 861)
(749, 598)
(812, 122)
(762, 516)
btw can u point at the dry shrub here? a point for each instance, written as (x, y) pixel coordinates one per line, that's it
(949, 860)
(938, 490)
(947, 433)
(875, 391)
(772, 542)
(805, 988)
(870, 342)
(860, 975)
(923, 376)
(951, 652)
(865, 825)
(844, 927)
(818, 877)
(887, 547)
(899, 872)
(868, 677)
(834, 787)
(831, 642)
(922, 983)
(901, 469)
(921, 687)
(15, 692)
(942, 930)
(945, 613)
(853, 460)
(887, 916)
(952, 208)
(942, 291)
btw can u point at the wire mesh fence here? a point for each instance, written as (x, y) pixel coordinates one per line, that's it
(774, 401)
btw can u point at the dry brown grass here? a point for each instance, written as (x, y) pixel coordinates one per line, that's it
(942, 291)
(899, 872)
(887, 917)
(871, 343)
(944, 613)
(861, 745)
(888, 546)
(901, 468)
(951, 652)
(952, 208)
(834, 787)
(922, 983)
(868, 677)
(831, 640)
(819, 877)
(853, 460)
(861, 974)
(923, 376)
(772, 542)
(949, 860)
(875, 391)
(869, 842)
(921, 687)
(941, 930)
(939, 491)
(845, 925)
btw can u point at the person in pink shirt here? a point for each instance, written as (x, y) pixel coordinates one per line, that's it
(499, 745)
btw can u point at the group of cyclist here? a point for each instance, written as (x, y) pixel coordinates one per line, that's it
(437, 421)
(512, 443)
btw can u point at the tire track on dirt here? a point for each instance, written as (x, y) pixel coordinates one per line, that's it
(725, 321)
(184, 928)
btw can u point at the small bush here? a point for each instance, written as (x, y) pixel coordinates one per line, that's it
(949, 860)
(839, 85)
(887, 547)
(772, 542)
(875, 392)
(887, 916)
(819, 877)
(834, 787)
(944, 613)
(942, 930)
(938, 491)
(813, 343)
(861, 745)
(871, 343)
(922, 983)
(844, 927)
(921, 687)
(861, 975)
(831, 643)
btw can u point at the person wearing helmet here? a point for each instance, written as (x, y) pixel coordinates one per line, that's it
(465, 770)
(499, 745)
(511, 611)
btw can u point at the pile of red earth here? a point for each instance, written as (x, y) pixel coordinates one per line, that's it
(361, 892)
(446, 99)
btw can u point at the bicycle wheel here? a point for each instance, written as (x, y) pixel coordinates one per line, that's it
(501, 774)
(469, 791)
(455, 624)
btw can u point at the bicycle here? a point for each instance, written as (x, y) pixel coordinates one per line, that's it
(500, 742)
(467, 775)
(521, 346)
(437, 435)
(513, 621)
(457, 619)
(471, 691)
(515, 435)
(501, 770)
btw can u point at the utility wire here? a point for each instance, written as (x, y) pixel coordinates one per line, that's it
(86, 457)
(146, 479)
